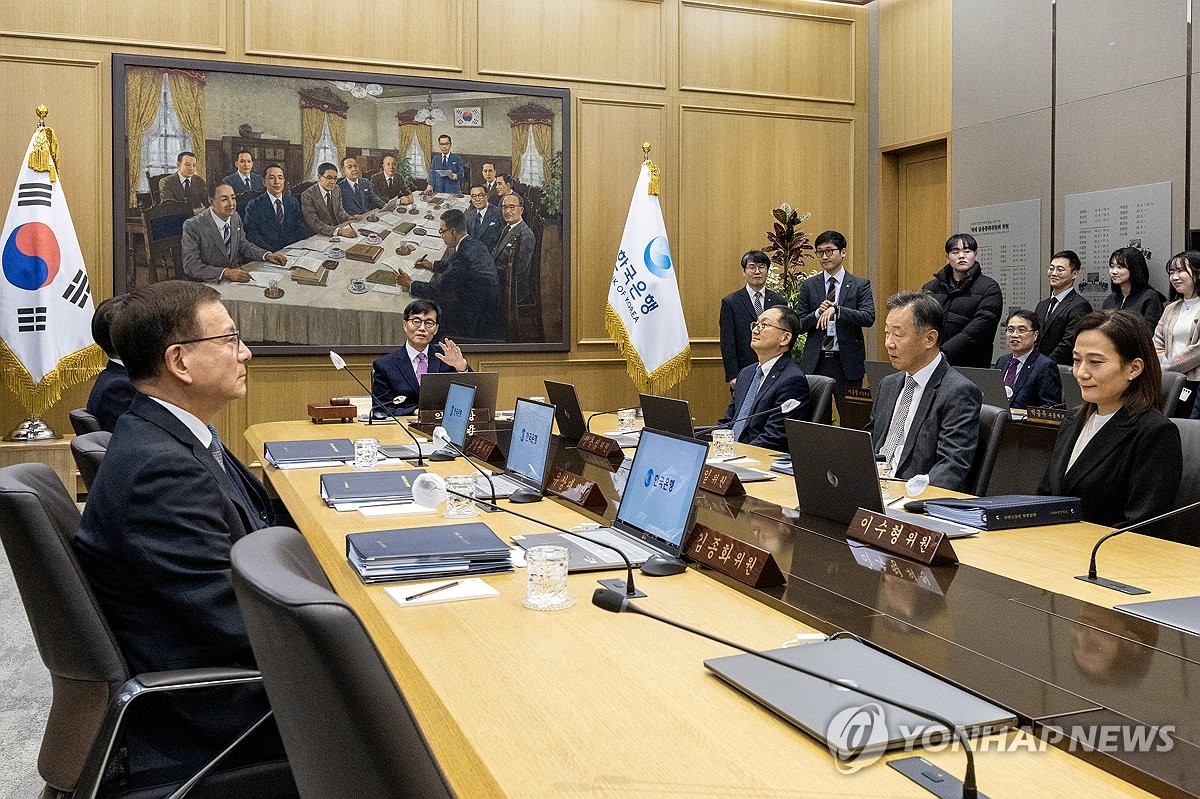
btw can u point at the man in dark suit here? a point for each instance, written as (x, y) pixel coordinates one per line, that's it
(513, 252)
(166, 507)
(1031, 379)
(321, 205)
(112, 392)
(833, 310)
(489, 183)
(925, 419)
(740, 309)
(483, 219)
(358, 197)
(396, 377)
(214, 246)
(244, 178)
(388, 184)
(773, 379)
(273, 220)
(1057, 313)
(464, 285)
(451, 164)
(185, 185)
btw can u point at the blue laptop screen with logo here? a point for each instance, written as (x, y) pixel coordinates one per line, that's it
(530, 442)
(458, 412)
(662, 486)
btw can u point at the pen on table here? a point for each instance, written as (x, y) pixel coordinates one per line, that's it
(734, 458)
(432, 591)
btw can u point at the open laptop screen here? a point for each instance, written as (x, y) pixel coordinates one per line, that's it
(657, 503)
(457, 415)
(530, 442)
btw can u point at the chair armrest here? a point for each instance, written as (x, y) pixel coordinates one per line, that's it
(192, 678)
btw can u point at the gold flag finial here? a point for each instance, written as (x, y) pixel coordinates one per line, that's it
(41, 111)
(646, 149)
(652, 189)
(43, 157)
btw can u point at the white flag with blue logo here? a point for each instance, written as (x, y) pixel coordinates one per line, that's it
(45, 299)
(644, 315)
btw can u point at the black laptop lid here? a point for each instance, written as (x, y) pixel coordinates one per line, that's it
(568, 414)
(435, 385)
(665, 413)
(834, 469)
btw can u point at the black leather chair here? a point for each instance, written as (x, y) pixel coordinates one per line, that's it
(991, 429)
(1185, 527)
(88, 450)
(1172, 384)
(83, 422)
(92, 687)
(346, 725)
(820, 399)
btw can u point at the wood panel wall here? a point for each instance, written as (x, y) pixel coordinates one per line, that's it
(914, 71)
(747, 104)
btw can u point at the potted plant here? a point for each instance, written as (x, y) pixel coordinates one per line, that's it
(787, 248)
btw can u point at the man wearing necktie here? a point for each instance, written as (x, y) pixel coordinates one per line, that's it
(446, 170)
(1031, 379)
(484, 221)
(740, 309)
(184, 185)
(396, 377)
(321, 204)
(273, 220)
(244, 178)
(1057, 313)
(358, 197)
(388, 184)
(214, 245)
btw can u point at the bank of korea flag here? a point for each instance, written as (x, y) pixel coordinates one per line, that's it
(644, 315)
(45, 298)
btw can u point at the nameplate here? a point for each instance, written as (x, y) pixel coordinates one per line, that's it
(609, 464)
(575, 489)
(332, 413)
(600, 445)
(721, 481)
(434, 417)
(855, 392)
(483, 449)
(903, 569)
(907, 540)
(1050, 416)
(732, 556)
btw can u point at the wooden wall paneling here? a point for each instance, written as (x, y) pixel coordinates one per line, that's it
(766, 53)
(621, 42)
(197, 25)
(705, 390)
(922, 217)
(914, 70)
(601, 383)
(420, 34)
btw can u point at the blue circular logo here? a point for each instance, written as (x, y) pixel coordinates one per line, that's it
(658, 256)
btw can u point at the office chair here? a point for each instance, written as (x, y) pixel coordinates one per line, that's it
(820, 399)
(345, 723)
(1185, 528)
(83, 422)
(88, 451)
(1172, 384)
(991, 430)
(91, 684)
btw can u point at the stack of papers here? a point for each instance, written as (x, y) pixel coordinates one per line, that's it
(346, 491)
(427, 553)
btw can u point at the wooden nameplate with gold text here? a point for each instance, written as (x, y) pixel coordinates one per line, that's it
(744, 562)
(575, 489)
(907, 540)
(721, 481)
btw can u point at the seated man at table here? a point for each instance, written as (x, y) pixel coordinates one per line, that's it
(766, 385)
(357, 195)
(214, 244)
(925, 419)
(1031, 379)
(396, 377)
(164, 511)
(273, 219)
(185, 185)
(321, 204)
(388, 184)
(483, 219)
(244, 178)
(113, 391)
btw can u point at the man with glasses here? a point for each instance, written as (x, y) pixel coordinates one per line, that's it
(483, 219)
(167, 504)
(741, 308)
(972, 304)
(1057, 313)
(321, 204)
(1031, 379)
(833, 309)
(214, 245)
(396, 377)
(773, 379)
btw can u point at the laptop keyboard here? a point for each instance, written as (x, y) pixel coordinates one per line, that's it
(505, 485)
(608, 535)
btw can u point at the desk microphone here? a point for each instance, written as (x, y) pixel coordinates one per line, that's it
(442, 440)
(786, 408)
(430, 489)
(615, 603)
(1124, 588)
(339, 363)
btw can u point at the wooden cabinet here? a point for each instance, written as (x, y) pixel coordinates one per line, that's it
(220, 155)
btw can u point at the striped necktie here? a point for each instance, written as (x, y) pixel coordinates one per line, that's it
(892, 446)
(739, 426)
(225, 238)
(279, 211)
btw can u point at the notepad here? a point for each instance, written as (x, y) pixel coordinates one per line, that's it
(469, 588)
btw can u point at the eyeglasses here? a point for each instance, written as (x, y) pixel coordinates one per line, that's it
(756, 267)
(442, 231)
(236, 336)
(757, 326)
(1018, 331)
(427, 324)
(477, 195)
(828, 252)
(1055, 269)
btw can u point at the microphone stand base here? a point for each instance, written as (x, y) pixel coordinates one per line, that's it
(523, 495)
(1104, 582)
(933, 779)
(618, 585)
(441, 455)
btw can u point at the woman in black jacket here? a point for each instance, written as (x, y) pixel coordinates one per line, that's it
(1131, 289)
(971, 302)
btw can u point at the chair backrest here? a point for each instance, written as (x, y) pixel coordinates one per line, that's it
(820, 399)
(346, 725)
(38, 521)
(88, 451)
(300, 188)
(83, 422)
(1172, 384)
(991, 429)
(1185, 527)
(155, 189)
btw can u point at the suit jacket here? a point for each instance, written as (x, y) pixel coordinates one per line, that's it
(171, 189)
(367, 199)
(1186, 360)
(737, 312)
(489, 231)
(1058, 332)
(493, 196)
(467, 290)
(392, 376)
(452, 162)
(397, 189)
(508, 254)
(316, 213)
(111, 395)
(263, 228)
(1128, 472)
(1039, 383)
(785, 381)
(204, 254)
(856, 310)
(945, 426)
(238, 183)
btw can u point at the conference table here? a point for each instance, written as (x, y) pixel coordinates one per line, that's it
(582, 702)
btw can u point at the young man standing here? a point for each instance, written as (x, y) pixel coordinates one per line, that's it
(1057, 313)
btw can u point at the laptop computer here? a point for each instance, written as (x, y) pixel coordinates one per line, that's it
(989, 381)
(525, 470)
(834, 469)
(876, 371)
(568, 414)
(655, 513)
(1182, 614)
(667, 414)
(456, 414)
(435, 385)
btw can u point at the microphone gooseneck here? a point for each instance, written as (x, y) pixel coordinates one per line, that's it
(446, 442)
(1092, 576)
(588, 424)
(786, 408)
(339, 363)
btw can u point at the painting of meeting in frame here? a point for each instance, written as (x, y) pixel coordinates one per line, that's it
(319, 203)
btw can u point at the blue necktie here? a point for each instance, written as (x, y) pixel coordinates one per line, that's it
(739, 426)
(225, 238)
(252, 510)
